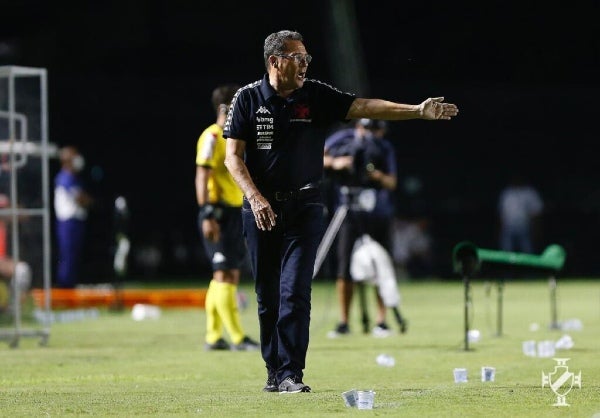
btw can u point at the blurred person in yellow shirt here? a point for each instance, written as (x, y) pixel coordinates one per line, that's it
(220, 223)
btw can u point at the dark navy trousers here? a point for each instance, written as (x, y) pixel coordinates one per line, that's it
(69, 237)
(282, 262)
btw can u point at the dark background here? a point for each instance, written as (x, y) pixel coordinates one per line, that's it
(130, 85)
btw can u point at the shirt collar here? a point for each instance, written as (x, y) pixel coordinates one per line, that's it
(266, 89)
(268, 92)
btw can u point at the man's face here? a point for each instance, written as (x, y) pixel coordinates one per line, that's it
(292, 66)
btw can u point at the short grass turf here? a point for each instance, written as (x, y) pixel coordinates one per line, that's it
(115, 366)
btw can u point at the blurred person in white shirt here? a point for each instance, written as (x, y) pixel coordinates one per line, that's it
(519, 207)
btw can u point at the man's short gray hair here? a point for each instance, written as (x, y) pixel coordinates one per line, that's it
(275, 43)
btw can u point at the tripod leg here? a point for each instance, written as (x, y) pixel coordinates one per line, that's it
(401, 321)
(362, 297)
(329, 236)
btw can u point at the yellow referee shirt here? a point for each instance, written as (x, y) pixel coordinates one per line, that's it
(210, 152)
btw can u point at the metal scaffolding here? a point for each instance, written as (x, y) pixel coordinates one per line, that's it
(25, 153)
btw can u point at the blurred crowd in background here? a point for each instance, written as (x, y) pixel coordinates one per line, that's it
(128, 82)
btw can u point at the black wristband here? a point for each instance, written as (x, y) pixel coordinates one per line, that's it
(207, 211)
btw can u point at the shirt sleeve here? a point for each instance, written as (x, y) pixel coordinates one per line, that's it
(536, 205)
(332, 103)
(391, 159)
(205, 149)
(237, 124)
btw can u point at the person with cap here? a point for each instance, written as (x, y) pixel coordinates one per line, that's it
(362, 164)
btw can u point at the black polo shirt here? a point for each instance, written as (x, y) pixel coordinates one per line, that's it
(285, 137)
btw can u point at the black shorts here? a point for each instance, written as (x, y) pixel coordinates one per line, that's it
(230, 251)
(354, 226)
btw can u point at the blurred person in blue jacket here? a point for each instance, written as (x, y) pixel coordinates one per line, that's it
(362, 164)
(71, 204)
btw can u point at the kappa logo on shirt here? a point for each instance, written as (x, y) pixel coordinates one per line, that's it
(263, 110)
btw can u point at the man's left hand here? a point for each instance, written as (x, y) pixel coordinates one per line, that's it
(434, 108)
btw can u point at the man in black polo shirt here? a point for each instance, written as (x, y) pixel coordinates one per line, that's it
(275, 140)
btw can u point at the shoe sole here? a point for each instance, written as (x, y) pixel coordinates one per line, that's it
(299, 390)
(303, 390)
(380, 334)
(245, 349)
(216, 348)
(335, 334)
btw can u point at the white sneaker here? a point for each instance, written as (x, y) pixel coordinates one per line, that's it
(22, 276)
(381, 331)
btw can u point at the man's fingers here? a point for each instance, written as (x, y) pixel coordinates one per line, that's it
(437, 99)
(265, 220)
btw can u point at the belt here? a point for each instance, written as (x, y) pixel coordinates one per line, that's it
(308, 190)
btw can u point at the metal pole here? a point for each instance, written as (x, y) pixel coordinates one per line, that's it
(14, 205)
(553, 313)
(499, 313)
(47, 254)
(467, 285)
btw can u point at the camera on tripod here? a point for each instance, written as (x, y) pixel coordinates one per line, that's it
(367, 154)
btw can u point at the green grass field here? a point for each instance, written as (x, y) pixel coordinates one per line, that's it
(114, 366)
